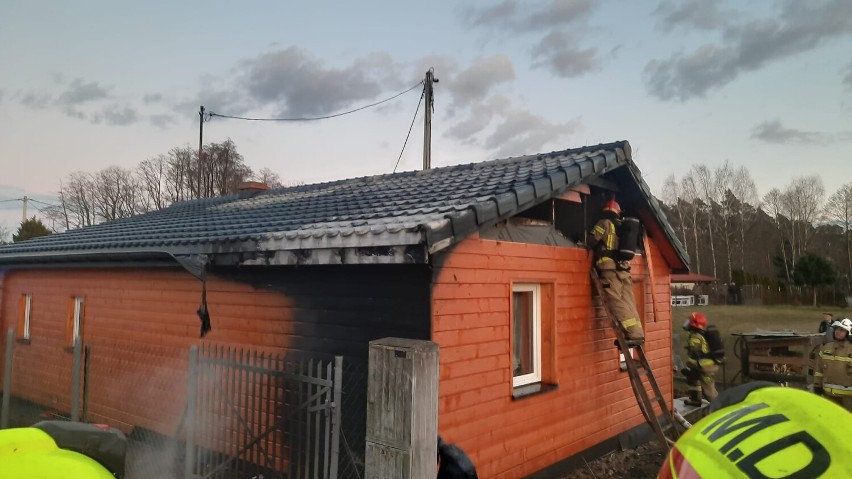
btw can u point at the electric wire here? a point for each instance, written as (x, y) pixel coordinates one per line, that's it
(42, 202)
(212, 114)
(410, 127)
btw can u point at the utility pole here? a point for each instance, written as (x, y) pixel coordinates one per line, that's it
(24, 216)
(427, 124)
(200, 145)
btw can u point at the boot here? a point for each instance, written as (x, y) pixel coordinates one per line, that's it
(694, 398)
(635, 333)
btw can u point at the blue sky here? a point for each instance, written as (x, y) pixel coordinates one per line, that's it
(86, 85)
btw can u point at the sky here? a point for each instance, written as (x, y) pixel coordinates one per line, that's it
(765, 84)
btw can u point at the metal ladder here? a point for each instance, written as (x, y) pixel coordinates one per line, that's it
(663, 424)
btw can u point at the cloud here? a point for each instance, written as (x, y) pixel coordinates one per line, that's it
(558, 52)
(34, 100)
(116, 115)
(774, 132)
(152, 98)
(748, 46)
(162, 120)
(298, 84)
(476, 81)
(80, 91)
(691, 14)
(847, 80)
(83, 100)
(496, 124)
(522, 132)
(535, 18)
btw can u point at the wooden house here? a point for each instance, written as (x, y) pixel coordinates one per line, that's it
(484, 259)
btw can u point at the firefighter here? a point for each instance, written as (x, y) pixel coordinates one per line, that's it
(761, 430)
(825, 327)
(615, 274)
(701, 367)
(833, 369)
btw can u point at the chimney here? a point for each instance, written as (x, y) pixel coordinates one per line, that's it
(250, 186)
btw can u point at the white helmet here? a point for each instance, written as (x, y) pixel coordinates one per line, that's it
(845, 324)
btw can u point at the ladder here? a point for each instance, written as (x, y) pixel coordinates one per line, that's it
(663, 424)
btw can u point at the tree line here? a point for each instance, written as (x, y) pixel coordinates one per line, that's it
(114, 192)
(790, 235)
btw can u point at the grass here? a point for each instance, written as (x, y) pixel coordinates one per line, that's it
(744, 319)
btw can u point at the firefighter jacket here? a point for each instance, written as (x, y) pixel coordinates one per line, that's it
(604, 241)
(833, 371)
(698, 351)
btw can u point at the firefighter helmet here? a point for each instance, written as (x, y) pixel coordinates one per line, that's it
(759, 429)
(845, 324)
(613, 207)
(698, 321)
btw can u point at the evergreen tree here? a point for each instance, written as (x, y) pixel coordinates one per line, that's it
(814, 271)
(31, 228)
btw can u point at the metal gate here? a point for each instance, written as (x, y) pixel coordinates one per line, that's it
(253, 415)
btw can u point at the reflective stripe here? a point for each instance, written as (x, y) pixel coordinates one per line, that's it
(604, 259)
(599, 229)
(818, 375)
(630, 322)
(836, 391)
(706, 362)
(830, 357)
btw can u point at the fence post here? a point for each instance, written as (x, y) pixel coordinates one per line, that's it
(7, 379)
(75, 381)
(402, 409)
(192, 391)
(335, 418)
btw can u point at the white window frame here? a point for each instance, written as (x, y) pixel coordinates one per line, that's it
(535, 376)
(78, 319)
(28, 303)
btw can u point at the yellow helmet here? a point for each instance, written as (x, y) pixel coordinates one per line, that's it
(760, 430)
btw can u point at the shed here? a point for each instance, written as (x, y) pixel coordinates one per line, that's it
(484, 259)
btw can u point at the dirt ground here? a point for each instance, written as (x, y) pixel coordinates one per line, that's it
(641, 463)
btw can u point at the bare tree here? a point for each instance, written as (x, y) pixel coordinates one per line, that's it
(745, 192)
(773, 205)
(115, 193)
(689, 193)
(722, 179)
(5, 234)
(704, 179)
(224, 169)
(152, 177)
(76, 198)
(838, 210)
(269, 178)
(803, 202)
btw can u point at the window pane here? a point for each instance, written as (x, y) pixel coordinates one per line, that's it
(522, 318)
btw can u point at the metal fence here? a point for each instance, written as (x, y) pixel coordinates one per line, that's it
(253, 414)
(224, 413)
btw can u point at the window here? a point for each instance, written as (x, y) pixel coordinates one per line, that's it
(24, 310)
(526, 334)
(75, 320)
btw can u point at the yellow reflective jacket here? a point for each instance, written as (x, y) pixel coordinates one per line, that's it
(604, 241)
(698, 351)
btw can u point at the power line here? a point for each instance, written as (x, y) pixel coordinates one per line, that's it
(410, 128)
(42, 202)
(212, 114)
(13, 199)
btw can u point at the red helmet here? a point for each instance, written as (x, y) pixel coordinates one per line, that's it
(697, 321)
(612, 205)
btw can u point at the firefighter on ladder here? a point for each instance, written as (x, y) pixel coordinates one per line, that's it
(701, 367)
(614, 274)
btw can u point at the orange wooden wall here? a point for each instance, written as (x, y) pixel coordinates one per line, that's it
(471, 323)
(139, 325)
